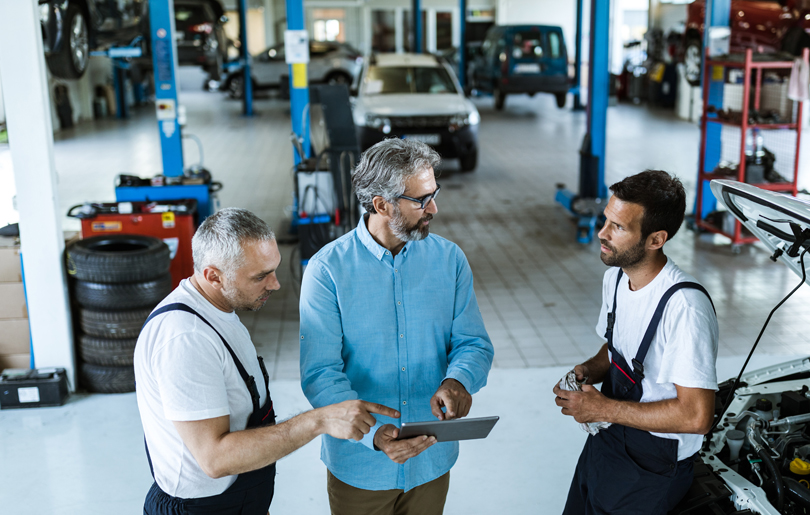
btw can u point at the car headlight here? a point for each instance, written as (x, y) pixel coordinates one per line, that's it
(376, 121)
(464, 119)
(44, 12)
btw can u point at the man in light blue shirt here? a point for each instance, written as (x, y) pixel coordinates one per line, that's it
(389, 315)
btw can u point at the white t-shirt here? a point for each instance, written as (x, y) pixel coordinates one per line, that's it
(684, 349)
(183, 372)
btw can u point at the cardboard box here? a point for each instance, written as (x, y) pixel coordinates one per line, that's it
(10, 271)
(15, 361)
(12, 301)
(15, 337)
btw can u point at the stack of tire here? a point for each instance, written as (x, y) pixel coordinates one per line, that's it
(118, 280)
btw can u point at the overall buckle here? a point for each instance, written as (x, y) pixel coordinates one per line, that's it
(638, 368)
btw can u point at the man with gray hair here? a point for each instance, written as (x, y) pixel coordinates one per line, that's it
(389, 314)
(208, 420)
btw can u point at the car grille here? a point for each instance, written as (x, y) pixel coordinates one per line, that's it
(418, 122)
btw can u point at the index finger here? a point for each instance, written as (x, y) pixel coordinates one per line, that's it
(373, 407)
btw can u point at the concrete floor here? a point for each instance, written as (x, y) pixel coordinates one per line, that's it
(538, 290)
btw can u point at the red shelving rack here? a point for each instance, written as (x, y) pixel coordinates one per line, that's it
(753, 71)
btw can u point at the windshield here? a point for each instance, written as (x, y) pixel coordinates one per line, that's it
(407, 79)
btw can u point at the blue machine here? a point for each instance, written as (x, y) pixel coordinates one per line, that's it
(587, 206)
(164, 59)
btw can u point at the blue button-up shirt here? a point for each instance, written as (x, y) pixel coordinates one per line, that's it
(389, 329)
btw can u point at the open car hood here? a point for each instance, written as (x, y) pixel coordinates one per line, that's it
(776, 219)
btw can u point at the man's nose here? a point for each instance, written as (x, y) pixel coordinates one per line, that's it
(273, 284)
(432, 207)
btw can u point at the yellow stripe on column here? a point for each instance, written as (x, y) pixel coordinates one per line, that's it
(299, 75)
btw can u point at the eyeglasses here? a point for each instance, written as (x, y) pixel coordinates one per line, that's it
(424, 201)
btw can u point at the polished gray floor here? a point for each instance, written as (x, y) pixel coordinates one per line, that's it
(538, 290)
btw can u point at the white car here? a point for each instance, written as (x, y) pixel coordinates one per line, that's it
(416, 96)
(757, 460)
(329, 63)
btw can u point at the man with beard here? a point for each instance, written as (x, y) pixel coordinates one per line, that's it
(389, 314)
(657, 367)
(208, 420)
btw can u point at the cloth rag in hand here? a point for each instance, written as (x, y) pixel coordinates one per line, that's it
(569, 382)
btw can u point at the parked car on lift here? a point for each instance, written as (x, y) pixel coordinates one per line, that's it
(767, 26)
(330, 62)
(522, 59)
(200, 34)
(416, 96)
(72, 28)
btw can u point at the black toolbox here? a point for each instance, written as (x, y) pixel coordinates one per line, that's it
(36, 388)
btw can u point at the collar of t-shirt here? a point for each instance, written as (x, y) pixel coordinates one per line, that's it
(652, 286)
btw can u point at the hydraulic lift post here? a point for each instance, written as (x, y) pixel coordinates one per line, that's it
(718, 14)
(462, 46)
(416, 12)
(299, 83)
(247, 82)
(576, 88)
(587, 206)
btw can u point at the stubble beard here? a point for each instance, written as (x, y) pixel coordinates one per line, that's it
(418, 231)
(627, 259)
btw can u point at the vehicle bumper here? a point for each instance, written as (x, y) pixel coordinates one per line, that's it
(452, 144)
(533, 84)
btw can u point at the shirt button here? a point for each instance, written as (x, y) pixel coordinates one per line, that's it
(403, 369)
(402, 336)
(399, 303)
(302, 336)
(387, 253)
(395, 270)
(404, 403)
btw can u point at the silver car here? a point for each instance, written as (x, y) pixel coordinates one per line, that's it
(329, 62)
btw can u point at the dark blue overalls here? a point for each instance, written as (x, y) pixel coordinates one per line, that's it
(252, 492)
(623, 470)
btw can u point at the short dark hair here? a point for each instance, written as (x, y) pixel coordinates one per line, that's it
(660, 194)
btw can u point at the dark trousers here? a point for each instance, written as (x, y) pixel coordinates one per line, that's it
(624, 471)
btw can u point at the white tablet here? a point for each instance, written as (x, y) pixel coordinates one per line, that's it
(449, 430)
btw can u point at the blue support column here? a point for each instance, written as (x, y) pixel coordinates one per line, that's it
(718, 14)
(247, 83)
(592, 167)
(299, 84)
(462, 46)
(577, 87)
(416, 10)
(164, 58)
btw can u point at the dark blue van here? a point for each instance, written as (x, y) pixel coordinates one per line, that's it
(522, 59)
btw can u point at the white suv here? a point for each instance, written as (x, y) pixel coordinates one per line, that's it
(416, 96)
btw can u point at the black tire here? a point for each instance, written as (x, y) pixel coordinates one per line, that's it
(561, 99)
(113, 324)
(692, 60)
(70, 61)
(469, 162)
(336, 78)
(500, 98)
(101, 379)
(120, 258)
(122, 296)
(106, 352)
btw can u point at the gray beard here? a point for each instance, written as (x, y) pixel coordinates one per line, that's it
(399, 226)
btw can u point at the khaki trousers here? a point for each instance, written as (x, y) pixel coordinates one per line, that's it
(427, 499)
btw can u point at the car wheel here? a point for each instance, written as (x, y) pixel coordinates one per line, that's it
(70, 62)
(561, 98)
(692, 60)
(500, 98)
(235, 88)
(338, 78)
(469, 162)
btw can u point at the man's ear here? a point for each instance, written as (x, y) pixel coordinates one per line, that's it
(656, 240)
(213, 276)
(382, 207)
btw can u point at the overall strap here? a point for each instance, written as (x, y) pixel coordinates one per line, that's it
(247, 378)
(611, 317)
(638, 361)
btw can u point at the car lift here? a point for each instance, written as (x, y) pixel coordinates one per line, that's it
(121, 63)
(164, 60)
(588, 205)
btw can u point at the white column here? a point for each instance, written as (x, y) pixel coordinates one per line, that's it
(367, 30)
(399, 32)
(269, 23)
(22, 65)
(431, 30)
(456, 27)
